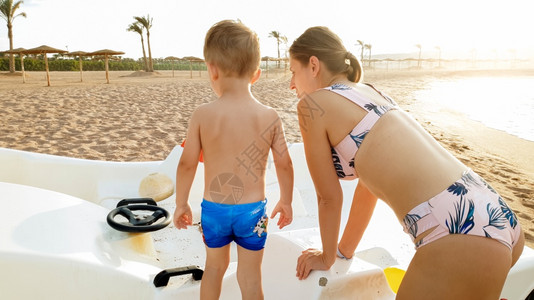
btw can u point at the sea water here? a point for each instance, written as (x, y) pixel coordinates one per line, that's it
(504, 103)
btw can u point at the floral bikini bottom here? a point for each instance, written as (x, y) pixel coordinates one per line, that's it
(468, 206)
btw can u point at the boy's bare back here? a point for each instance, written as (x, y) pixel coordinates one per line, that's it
(236, 134)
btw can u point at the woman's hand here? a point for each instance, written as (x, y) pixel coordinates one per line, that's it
(183, 216)
(311, 259)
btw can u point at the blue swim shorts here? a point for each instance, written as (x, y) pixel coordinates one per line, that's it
(246, 224)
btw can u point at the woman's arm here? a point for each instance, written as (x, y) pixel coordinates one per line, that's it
(329, 194)
(363, 205)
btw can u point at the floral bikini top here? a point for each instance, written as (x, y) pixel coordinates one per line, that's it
(344, 152)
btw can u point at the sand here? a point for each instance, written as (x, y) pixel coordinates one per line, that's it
(141, 118)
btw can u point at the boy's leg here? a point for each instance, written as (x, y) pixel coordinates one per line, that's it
(217, 260)
(249, 273)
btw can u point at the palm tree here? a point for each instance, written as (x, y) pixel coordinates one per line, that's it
(7, 12)
(284, 40)
(361, 47)
(419, 60)
(369, 47)
(439, 56)
(279, 38)
(474, 57)
(135, 27)
(147, 24)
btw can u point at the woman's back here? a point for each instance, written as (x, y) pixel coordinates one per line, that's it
(397, 159)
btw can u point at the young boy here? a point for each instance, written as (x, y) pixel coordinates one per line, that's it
(235, 133)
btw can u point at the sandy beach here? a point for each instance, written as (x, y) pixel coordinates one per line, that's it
(141, 118)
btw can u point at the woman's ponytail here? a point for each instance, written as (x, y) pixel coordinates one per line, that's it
(354, 68)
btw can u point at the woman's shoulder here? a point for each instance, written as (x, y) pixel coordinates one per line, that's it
(320, 98)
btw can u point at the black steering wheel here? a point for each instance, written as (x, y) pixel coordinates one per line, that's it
(139, 222)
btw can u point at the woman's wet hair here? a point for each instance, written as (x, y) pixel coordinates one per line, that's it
(322, 43)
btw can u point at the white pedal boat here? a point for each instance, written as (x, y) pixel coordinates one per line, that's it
(55, 242)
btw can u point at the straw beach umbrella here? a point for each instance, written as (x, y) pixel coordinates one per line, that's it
(172, 58)
(79, 54)
(106, 53)
(44, 50)
(266, 59)
(191, 59)
(21, 52)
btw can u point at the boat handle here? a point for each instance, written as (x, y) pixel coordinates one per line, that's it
(148, 201)
(162, 278)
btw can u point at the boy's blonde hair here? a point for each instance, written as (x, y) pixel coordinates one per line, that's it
(233, 48)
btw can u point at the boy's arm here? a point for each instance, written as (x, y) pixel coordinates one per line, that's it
(284, 172)
(185, 173)
(363, 205)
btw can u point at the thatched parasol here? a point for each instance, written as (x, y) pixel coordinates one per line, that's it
(45, 50)
(106, 53)
(172, 58)
(191, 59)
(266, 59)
(79, 54)
(21, 52)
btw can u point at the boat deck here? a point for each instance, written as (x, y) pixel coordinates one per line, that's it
(55, 231)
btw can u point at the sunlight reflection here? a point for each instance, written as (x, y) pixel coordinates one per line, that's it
(505, 103)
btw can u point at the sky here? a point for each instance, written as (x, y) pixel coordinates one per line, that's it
(489, 28)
